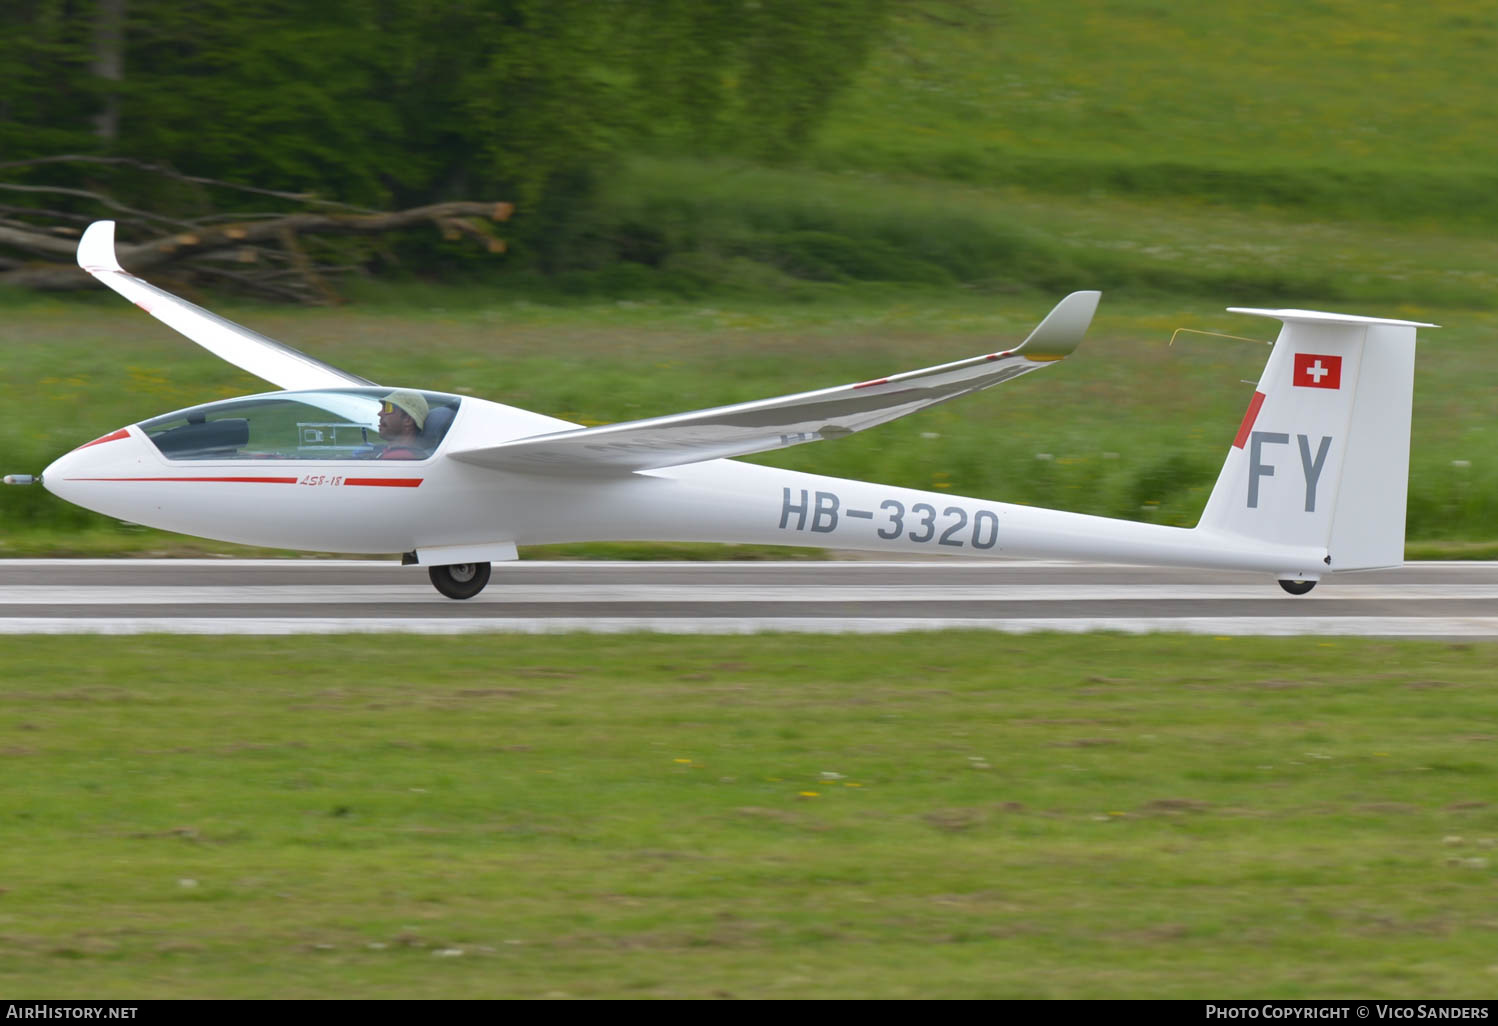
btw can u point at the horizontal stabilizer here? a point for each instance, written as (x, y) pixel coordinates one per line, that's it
(263, 357)
(1323, 317)
(767, 424)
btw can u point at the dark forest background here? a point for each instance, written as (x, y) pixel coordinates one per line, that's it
(153, 110)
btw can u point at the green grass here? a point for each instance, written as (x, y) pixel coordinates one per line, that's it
(1129, 427)
(798, 234)
(1335, 108)
(1330, 151)
(953, 815)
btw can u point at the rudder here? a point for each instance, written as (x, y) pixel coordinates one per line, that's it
(1322, 456)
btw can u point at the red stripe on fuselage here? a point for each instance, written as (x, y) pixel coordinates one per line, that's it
(1248, 419)
(367, 482)
(216, 480)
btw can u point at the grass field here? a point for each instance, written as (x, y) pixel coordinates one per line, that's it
(954, 815)
(1332, 151)
(1343, 110)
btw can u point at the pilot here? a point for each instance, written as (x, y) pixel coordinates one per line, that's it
(402, 413)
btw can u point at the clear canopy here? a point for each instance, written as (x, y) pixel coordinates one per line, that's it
(331, 424)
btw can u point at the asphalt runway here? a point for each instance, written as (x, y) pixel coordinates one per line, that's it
(213, 596)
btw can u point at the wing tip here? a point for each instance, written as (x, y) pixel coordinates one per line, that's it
(1063, 328)
(96, 249)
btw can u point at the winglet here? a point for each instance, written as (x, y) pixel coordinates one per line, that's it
(96, 248)
(1063, 328)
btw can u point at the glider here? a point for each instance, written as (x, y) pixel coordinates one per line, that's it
(1314, 482)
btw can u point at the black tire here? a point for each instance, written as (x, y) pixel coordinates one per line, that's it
(459, 580)
(1297, 587)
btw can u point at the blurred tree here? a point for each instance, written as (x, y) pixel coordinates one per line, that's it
(47, 94)
(754, 75)
(108, 65)
(405, 102)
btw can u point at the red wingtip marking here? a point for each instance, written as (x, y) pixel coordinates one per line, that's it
(1248, 419)
(866, 384)
(111, 437)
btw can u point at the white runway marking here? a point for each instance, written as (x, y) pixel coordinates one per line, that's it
(1270, 626)
(266, 597)
(501, 592)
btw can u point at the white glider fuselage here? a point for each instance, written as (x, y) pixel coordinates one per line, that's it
(1313, 483)
(446, 511)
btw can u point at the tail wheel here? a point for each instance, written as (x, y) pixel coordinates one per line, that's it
(1297, 587)
(459, 580)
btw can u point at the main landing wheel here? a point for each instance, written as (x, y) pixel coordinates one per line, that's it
(459, 580)
(1293, 587)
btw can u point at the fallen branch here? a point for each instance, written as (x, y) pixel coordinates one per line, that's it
(51, 250)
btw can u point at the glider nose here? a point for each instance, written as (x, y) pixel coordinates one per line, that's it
(77, 476)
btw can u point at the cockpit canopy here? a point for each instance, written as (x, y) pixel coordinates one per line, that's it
(330, 424)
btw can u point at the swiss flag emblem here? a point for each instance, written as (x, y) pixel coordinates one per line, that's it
(1313, 371)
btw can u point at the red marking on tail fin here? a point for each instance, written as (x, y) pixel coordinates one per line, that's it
(1248, 419)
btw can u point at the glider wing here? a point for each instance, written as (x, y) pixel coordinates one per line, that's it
(263, 357)
(767, 424)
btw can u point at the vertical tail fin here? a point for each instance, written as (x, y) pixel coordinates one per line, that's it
(1322, 456)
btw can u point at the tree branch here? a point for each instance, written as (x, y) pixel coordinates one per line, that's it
(158, 169)
(198, 244)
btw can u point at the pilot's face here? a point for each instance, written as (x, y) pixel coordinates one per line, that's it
(395, 423)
